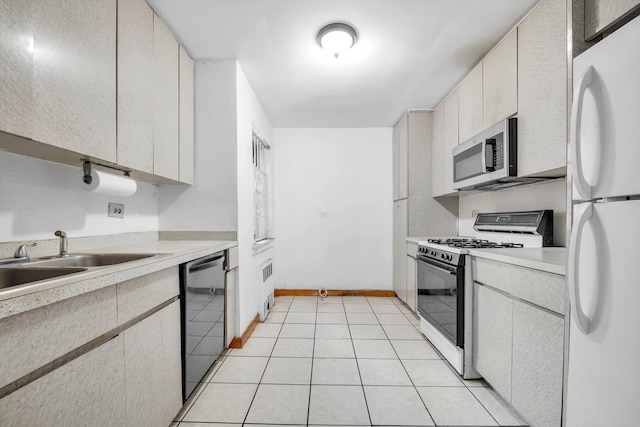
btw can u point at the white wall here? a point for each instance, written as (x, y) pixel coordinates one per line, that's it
(551, 195)
(251, 115)
(347, 174)
(38, 197)
(211, 204)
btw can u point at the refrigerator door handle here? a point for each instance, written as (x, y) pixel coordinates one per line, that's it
(583, 187)
(579, 316)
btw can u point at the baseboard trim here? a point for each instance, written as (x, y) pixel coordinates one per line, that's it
(239, 342)
(333, 293)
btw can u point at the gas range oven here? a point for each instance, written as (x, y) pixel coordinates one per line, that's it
(445, 282)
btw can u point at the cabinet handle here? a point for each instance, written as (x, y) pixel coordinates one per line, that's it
(575, 140)
(579, 316)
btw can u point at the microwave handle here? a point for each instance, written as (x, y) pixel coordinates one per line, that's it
(489, 152)
(484, 156)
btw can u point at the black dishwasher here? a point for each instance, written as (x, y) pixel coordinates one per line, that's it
(202, 317)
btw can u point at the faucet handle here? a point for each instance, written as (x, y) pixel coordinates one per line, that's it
(21, 252)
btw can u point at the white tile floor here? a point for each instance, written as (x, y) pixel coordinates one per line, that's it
(340, 361)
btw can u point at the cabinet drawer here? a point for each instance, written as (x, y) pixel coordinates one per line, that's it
(141, 294)
(537, 287)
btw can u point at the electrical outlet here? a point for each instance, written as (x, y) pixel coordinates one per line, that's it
(474, 213)
(324, 214)
(116, 210)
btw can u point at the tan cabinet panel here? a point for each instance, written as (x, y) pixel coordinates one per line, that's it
(538, 339)
(165, 102)
(437, 151)
(420, 124)
(470, 104)
(135, 88)
(493, 338)
(400, 248)
(231, 290)
(403, 152)
(74, 76)
(542, 89)
(500, 81)
(450, 131)
(16, 68)
(88, 391)
(153, 368)
(186, 118)
(412, 287)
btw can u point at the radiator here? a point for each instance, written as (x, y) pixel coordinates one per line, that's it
(266, 288)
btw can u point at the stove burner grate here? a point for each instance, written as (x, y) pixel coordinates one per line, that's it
(473, 243)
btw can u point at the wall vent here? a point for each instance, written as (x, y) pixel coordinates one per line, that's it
(267, 272)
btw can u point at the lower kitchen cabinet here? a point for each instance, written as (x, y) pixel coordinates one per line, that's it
(88, 391)
(519, 337)
(231, 291)
(400, 226)
(412, 288)
(537, 371)
(493, 335)
(153, 369)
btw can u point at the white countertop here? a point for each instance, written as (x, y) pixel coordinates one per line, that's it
(26, 297)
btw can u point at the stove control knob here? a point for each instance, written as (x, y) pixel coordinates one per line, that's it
(449, 257)
(443, 256)
(433, 253)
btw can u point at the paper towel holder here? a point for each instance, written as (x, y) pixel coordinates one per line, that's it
(86, 170)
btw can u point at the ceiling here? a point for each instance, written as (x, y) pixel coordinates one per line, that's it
(410, 53)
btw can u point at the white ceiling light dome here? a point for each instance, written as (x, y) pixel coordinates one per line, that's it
(337, 38)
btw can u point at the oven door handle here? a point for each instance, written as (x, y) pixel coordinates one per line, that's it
(435, 267)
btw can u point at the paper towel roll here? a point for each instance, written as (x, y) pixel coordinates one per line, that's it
(112, 185)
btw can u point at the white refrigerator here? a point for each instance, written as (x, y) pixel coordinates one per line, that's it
(603, 386)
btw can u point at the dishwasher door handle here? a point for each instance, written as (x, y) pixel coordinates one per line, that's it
(206, 263)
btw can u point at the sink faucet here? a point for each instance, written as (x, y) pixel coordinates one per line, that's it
(19, 256)
(63, 244)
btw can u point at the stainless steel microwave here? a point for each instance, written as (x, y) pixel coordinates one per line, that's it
(488, 160)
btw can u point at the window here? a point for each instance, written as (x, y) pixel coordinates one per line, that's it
(261, 192)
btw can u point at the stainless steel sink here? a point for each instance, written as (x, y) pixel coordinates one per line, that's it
(90, 260)
(13, 276)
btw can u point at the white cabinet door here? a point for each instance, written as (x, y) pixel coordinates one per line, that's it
(437, 152)
(450, 131)
(16, 68)
(542, 89)
(500, 81)
(412, 287)
(608, 123)
(400, 248)
(403, 153)
(537, 365)
(230, 312)
(88, 391)
(153, 369)
(165, 102)
(74, 76)
(470, 105)
(135, 88)
(186, 118)
(493, 338)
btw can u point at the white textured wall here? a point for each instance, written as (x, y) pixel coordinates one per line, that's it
(550, 195)
(39, 197)
(211, 203)
(347, 174)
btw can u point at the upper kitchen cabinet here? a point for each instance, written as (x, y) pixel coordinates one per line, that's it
(542, 90)
(400, 159)
(470, 105)
(135, 88)
(450, 138)
(186, 118)
(437, 147)
(16, 65)
(165, 102)
(58, 64)
(500, 81)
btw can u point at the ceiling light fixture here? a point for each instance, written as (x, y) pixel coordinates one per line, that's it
(337, 38)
